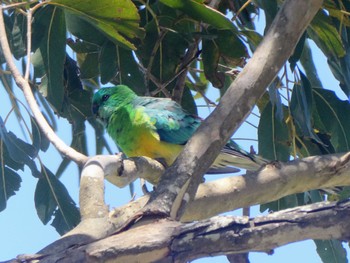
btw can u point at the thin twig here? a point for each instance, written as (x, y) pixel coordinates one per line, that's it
(60, 145)
(29, 43)
(187, 60)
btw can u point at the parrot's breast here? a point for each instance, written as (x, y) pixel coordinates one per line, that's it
(136, 135)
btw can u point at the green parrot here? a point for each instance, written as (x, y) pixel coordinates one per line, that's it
(159, 128)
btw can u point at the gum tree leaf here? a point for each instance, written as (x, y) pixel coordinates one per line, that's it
(10, 183)
(19, 151)
(326, 35)
(201, 12)
(331, 251)
(118, 19)
(301, 107)
(335, 118)
(52, 200)
(52, 50)
(273, 136)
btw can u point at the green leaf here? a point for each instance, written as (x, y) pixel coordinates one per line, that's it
(308, 64)
(254, 38)
(52, 50)
(117, 19)
(88, 65)
(333, 117)
(8, 161)
(295, 57)
(331, 251)
(188, 102)
(201, 12)
(40, 141)
(301, 107)
(283, 203)
(275, 98)
(129, 72)
(273, 136)
(19, 151)
(231, 46)
(326, 35)
(211, 56)
(108, 62)
(18, 35)
(84, 30)
(10, 183)
(52, 199)
(60, 221)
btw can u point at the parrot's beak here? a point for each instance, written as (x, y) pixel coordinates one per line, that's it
(95, 108)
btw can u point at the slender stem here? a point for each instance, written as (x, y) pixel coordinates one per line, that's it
(29, 43)
(60, 145)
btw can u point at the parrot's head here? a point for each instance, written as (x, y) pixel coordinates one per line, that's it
(106, 101)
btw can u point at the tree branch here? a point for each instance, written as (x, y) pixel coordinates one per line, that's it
(271, 183)
(185, 174)
(60, 145)
(172, 241)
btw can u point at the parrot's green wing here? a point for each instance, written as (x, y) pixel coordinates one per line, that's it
(171, 122)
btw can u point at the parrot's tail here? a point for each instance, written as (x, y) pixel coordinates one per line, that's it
(232, 156)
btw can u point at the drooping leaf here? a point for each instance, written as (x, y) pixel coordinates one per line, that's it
(19, 151)
(273, 136)
(231, 47)
(40, 141)
(331, 251)
(52, 50)
(18, 35)
(295, 57)
(253, 37)
(50, 197)
(10, 183)
(211, 56)
(326, 35)
(108, 62)
(341, 71)
(275, 99)
(129, 72)
(334, 116)
(308, 64)
(221, 47)
(88, 63)
(201, 12)
(301, 107)
(118, 19)
(60, 220)
(282, 203)
(162, 60)
(84, 30)
(188, 102)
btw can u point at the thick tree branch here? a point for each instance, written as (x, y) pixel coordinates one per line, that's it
(171, 241)
(271, 183)
(179, 183)
(60, 145)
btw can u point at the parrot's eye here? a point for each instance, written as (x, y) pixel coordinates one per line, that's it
(105, 97)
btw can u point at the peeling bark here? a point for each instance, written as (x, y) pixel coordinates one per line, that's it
(170, 241)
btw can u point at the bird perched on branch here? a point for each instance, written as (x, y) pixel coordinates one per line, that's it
(159, 128)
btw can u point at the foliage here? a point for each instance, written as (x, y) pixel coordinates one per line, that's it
(179, 49)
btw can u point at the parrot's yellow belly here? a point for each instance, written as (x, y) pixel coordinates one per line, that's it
(147, 143)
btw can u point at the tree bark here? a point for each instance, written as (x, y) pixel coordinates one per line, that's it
(170, 241)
